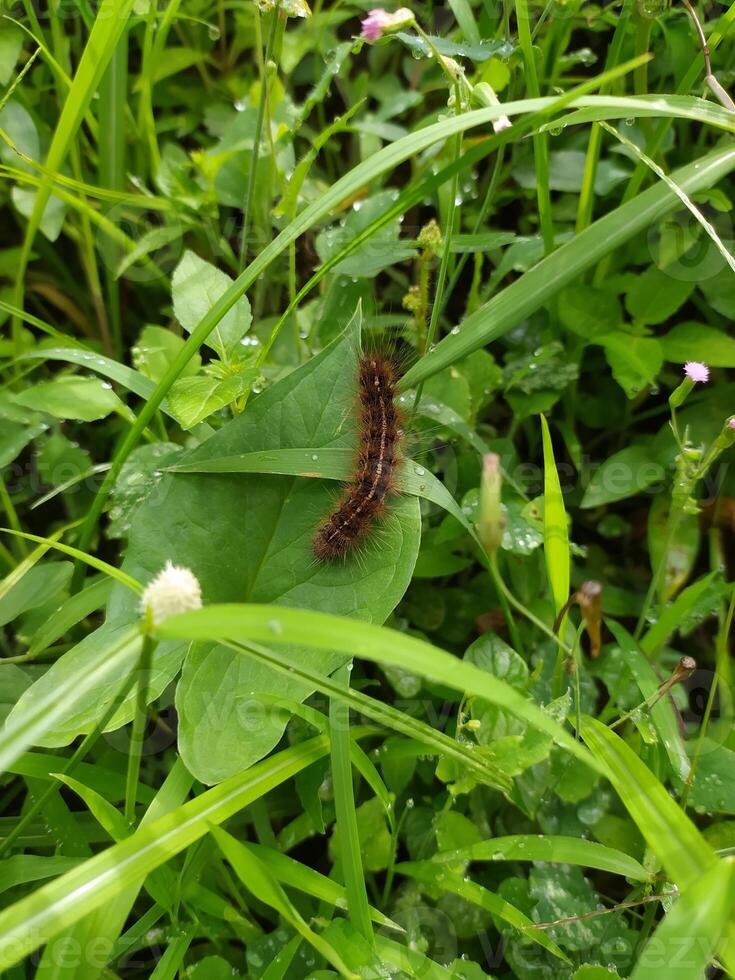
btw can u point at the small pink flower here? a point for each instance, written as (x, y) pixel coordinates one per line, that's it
(731, 422)
(696, 371)
(374, 24)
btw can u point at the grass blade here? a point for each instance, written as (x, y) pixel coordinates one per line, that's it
(279, 624)
(530, 291)
(39, 917)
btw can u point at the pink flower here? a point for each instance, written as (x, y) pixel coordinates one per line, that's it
(731, 422)
(374, 24)
(696, 371)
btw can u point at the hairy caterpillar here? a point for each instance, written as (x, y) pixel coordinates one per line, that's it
(363, 501)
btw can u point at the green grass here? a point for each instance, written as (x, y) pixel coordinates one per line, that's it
(438, 758)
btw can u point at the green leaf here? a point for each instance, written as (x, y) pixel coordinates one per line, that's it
(253, 542)
(635, 361)
(682, 550)
(36, 919)
(678, 615)
(550, 848)
(72, 398)
(556, 532)
(693, 341)
(679, 846)
(685, 942)
(436, 876)
(588, 311)
(624, 474)
(39, 585)
(300, 876)
(55, 698)
(20, 869)
(191, 400)
(655, 296)
(196, 286)
(11, 44)
(156, 349)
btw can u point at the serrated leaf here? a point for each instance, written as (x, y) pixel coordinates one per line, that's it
(195, 288)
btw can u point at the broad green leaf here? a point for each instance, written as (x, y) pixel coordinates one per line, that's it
(624, 474)
(191, 400)
(635, 361)
(556, 532)
(155, 350)
(685, 942)
(588, 311)
(714, 789)
(196, 287)
(282, 625)
(529, 292)
(693, 341)
(36, 919)
(249, 539)
(671, 835)
(547, 847)
(72, 398)
(481, 766)
(655, 295)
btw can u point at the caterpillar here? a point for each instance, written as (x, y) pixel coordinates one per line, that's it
(363, 500)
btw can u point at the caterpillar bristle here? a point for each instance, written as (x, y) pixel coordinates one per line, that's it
(378, 454)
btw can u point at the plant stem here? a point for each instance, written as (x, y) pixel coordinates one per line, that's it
(540, 140)
(262, 100)
(137, 734)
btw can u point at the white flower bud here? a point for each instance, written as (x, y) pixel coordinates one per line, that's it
(174, 590)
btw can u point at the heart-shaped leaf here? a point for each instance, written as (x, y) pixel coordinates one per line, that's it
(247, 537)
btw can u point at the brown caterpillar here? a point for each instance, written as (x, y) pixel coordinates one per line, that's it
(363, 501)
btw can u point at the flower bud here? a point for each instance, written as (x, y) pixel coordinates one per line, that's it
(589, 596)
(492, 519)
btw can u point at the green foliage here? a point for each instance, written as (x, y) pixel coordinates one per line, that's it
(223, 756)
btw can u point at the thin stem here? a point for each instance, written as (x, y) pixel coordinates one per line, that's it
(518, 605)
(446, 247)
(507, 612)
(263, 96)
(653, 587)
(479, 221)
(540, 140)
(13, 519)
(137, 735)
